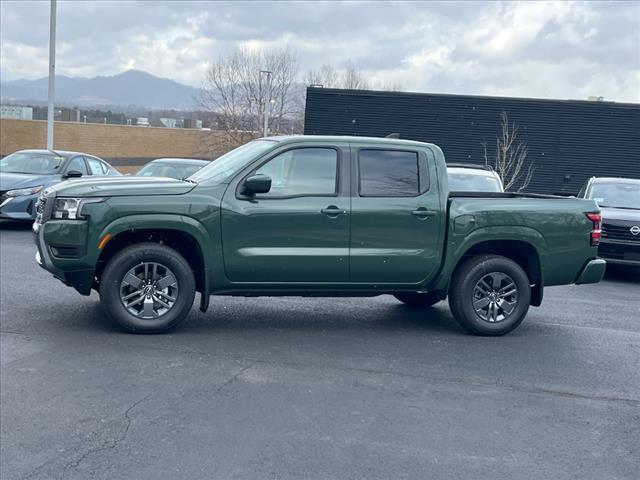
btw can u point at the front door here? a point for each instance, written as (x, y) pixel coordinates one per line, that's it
(396, 216)
(299, 230)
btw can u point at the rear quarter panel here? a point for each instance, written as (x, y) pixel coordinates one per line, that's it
(558, 229)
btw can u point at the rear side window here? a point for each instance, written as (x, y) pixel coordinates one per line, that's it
(95, 166)
(391, 173)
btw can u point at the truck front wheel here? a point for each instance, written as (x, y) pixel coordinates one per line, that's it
(147, 288)
(490, 295)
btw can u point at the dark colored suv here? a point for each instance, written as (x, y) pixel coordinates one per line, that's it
(619, 201)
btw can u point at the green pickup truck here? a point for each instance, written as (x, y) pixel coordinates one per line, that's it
(314, 216)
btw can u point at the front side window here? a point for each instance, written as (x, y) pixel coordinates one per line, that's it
(77, 164)
(389, 173)
(302, 171)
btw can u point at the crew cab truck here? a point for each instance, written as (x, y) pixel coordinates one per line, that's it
(314, 216)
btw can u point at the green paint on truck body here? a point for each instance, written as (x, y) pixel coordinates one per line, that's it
(254, 245)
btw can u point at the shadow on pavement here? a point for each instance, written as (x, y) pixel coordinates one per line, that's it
(622, 273)
(254, 316)
(13, 225)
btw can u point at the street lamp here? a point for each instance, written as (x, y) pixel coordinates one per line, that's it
(52, 73)
(265, 128)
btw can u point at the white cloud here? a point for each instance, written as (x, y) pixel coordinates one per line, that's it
(532, 49)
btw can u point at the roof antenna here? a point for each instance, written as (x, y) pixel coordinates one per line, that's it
(393, 135)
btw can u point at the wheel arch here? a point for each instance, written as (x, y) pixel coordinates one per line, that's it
(522, 252)
(183, 234)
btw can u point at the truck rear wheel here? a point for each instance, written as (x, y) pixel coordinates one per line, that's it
(147, 288)
(490, 295)
(418, 300)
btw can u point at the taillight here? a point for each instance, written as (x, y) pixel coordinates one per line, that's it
(596, 218)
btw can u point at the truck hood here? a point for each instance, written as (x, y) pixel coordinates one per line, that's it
(122, 186)
(13, 181)
(627, 214)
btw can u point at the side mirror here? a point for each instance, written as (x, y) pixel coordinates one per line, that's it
(72, 174)
(257, 184)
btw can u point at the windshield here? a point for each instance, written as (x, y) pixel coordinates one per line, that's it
(37, 163)
(616, 194)
(172, 170)
(470, 182)
(232, 162)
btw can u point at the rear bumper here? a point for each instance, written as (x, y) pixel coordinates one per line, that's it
(81, 279)
(592, 272)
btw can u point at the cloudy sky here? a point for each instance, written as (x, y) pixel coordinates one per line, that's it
(532, 49)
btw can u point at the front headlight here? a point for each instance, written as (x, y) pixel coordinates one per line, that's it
(71, 208)
(24, 191)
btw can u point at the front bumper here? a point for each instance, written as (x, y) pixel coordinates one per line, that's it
(592, 272)
(21, 208)
(79, 278)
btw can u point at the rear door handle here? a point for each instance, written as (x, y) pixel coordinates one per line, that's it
(423, 213)
(333, 211)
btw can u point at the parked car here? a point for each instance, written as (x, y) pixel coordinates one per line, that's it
(26, 173)
(316, 216)
(469, 177)
(172, 167)
(619, 201)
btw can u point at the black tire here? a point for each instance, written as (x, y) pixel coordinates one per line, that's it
(133, 257)
(418, 300)
(466, 290)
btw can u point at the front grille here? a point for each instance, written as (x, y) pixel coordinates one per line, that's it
(41, 209)
(620, 231)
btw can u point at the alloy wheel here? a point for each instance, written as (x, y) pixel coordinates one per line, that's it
(495, 297)
(149, 290)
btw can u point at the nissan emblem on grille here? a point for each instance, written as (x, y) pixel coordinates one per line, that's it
(635, 230)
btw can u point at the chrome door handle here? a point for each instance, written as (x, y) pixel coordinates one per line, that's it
(332, 211)
(423, 213)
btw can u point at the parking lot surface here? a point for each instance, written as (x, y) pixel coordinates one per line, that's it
(297, 388)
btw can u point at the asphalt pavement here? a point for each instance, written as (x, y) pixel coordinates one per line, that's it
(298, 388)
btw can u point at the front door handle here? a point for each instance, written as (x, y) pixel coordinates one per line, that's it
(333, 211)
(423, 212)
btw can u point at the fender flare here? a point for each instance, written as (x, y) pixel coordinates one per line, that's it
(176, 222)
(459, 245)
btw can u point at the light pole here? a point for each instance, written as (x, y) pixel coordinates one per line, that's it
(265, 103)
(52, 74)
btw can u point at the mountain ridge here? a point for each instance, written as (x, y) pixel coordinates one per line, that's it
(131, 87)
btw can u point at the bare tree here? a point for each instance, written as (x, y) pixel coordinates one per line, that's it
(353, 78)
(236, 92)
(327, 76)
(510, 158)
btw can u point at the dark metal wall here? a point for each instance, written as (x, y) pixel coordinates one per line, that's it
(568, 141)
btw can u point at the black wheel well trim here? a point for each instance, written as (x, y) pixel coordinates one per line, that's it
(183, 242)
(520, 251)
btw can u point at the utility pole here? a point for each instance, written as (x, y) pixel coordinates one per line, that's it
(52, 74)
(266, 102)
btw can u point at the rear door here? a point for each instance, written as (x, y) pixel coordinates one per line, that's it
(395, 215)
(299, 230)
